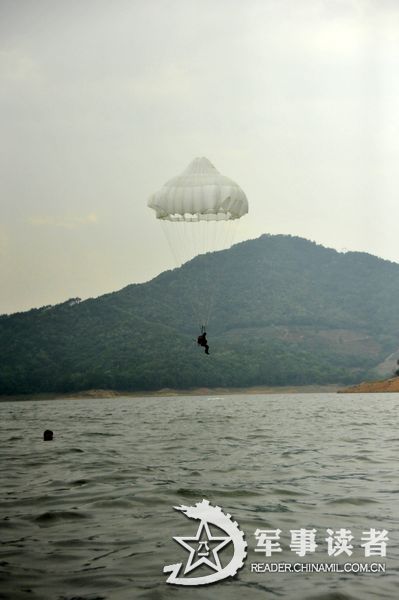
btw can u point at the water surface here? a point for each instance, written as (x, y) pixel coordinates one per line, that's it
(90, 514)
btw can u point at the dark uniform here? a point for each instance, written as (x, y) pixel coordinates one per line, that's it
(202, 341)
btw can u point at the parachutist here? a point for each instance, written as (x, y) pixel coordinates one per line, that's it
(202, 341)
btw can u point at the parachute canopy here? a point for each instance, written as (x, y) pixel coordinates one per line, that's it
(199, 212)
(200, 193)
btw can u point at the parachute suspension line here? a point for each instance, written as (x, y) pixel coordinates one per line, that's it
(213, 236)
(182, 243)
(190, 246)
(212, 227)
(190, 242)
(188, 238)
(216, 228)
(206, 237)
(213, 245)
(195, 232)
(224, 235)
(199, 198)
(178, 257)
(200, 236)
(232, 232)
(176, 232)
(165, 230)
(200, 248)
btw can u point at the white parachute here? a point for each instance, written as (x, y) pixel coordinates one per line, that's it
(199, 210)
(200, 193)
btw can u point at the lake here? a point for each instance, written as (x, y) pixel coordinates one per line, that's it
(90, 514)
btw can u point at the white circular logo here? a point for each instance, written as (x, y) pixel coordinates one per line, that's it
(204, 547)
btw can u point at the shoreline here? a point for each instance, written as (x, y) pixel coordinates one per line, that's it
(167, 392)
(380, 386)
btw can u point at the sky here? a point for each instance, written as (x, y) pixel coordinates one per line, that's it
(103, 101)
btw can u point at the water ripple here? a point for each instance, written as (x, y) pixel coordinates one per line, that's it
(89, 516)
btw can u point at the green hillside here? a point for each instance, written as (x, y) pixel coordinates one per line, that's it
(285, 312)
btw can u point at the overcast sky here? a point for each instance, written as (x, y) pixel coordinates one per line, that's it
(102, 101)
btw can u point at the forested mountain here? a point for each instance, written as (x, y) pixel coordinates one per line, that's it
(284, 311)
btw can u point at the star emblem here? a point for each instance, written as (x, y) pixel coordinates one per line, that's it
(204, 540)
